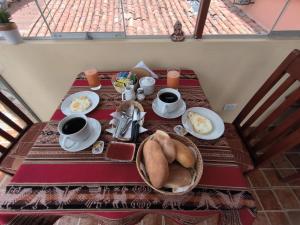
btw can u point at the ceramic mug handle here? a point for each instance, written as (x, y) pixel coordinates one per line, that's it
(123, 96)
(66, 140)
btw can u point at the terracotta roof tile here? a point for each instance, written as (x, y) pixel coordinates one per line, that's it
(142, 17)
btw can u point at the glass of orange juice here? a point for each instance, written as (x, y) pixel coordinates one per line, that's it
(93, 78)
(173, 78)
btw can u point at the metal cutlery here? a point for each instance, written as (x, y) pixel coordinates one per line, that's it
(129, 114)
(135, 125)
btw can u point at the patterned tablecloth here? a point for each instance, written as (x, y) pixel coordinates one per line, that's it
(53, 181)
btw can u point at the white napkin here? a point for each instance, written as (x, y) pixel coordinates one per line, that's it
(127, 135)
(141, 64)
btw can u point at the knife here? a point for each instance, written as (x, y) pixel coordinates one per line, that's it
(129, 114)
(135, 125)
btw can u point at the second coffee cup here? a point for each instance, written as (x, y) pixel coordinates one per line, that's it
(168, 100)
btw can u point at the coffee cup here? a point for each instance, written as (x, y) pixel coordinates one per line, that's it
(168, 100)
(148, 84)
(74, 129)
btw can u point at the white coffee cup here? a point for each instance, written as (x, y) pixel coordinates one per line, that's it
(69, 140)
(148, 84)
(167, 107)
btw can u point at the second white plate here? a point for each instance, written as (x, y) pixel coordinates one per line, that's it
(92, 96)
(216, 120)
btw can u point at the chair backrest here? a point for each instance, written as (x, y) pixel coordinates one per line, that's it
(5, 117)
(264, 124)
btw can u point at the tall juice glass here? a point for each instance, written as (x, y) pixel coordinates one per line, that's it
(93, 79)
(173, 77)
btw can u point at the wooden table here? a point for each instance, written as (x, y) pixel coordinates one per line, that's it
(57, 182)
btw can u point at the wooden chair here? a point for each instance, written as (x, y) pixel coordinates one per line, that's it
(264, 125)
(13, 154)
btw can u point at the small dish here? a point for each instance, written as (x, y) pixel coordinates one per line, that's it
(216, 120)
(180, 130)
(98, 147)
(171, 115)
(119, 151)
(92, 96)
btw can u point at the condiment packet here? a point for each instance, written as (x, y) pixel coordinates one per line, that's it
(98, 147)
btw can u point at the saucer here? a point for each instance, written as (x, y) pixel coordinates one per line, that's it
(95, 131)
(170, 115)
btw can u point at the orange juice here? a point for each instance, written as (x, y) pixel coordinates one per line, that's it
(173, 78)
(93, 78)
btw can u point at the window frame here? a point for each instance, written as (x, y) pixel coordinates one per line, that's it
(198, 32)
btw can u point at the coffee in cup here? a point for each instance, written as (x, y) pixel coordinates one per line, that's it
(73, 125)
(168, 100)
(168, 97)
(74, 129)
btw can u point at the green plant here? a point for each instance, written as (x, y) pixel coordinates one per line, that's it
(4, 16)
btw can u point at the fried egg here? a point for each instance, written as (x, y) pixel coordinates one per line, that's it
(201, 124)
(80, 104)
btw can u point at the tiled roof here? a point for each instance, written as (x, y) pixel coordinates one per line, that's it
(141, 17)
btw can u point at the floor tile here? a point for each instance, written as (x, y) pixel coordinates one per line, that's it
(278, 218)
(294, 158)
(286, 172)
(261, 219)
(258, 204)
(273, 177)
(257, 179)
(287, 199)
(294, 217)
(268, 200)
(282, 162)
(295, 182)
(297, 192)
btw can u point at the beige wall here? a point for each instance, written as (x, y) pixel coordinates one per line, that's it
(229, 70)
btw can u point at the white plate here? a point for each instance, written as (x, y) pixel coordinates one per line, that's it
(217, 122)
(171, 115)
(92, 96)
(95, 131)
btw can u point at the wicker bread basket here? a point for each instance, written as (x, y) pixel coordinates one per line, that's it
(198, 169)
(140, 72)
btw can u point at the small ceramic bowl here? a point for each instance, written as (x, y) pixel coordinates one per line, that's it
(120, 151)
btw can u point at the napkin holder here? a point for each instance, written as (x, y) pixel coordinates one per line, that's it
(116, 120)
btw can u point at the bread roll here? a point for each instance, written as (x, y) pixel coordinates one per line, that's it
(179, 176)
(201, 124)
(184, 155)
(156, 163)
(166, 144)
